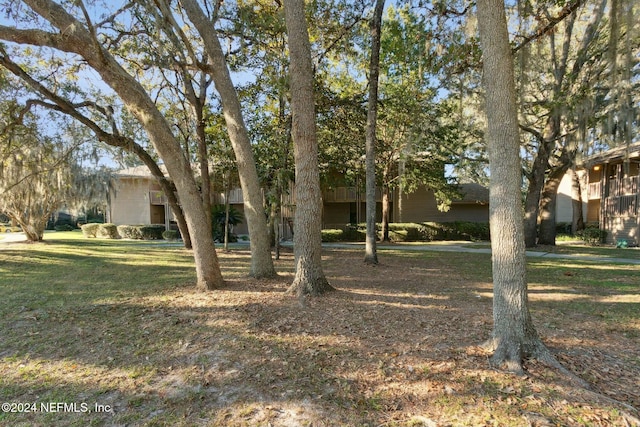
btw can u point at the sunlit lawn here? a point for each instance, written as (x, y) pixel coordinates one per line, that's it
(119, 324)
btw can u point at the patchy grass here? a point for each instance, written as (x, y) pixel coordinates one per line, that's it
(119, 324)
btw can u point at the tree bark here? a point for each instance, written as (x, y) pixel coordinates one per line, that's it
(307, 244)
(261, 261)
(514, 335)
(547, 233)
(384, 223)
(577, 222)
(370, 253)
(537, 178)
(74, 37)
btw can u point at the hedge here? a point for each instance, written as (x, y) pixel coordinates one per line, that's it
(141, 232)
(411, 232)
(90, 230)
(107, 231)
(130, 231)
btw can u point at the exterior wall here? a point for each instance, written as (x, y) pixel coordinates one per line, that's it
(564, 201)
(421, 206)
(335, 215)
(130, 202)
(622, 228)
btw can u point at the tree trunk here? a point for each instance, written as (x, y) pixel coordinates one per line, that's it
(514, 335)
(370, 253)
(261, 262)
(577, 222)
(384, 227)
(547, 233)
(307, 245)
(78, 39)
(537, 178)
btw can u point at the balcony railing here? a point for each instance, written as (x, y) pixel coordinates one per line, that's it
(625, 186)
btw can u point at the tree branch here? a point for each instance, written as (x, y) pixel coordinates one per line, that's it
(553, 21)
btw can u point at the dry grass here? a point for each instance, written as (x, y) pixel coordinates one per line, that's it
(395, 345)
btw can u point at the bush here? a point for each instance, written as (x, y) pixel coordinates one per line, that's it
(107, 231)
(90, 230)
(64, 227)
(354, 233)
(332, 235)
(130, 231)
(171, 235)
(472, 230)
(405, 232)
(218, 218)
(592, 235)
(151, 232)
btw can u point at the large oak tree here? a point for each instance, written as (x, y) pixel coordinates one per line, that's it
(77, 37)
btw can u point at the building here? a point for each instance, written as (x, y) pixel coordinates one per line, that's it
(613, 192)
(136, 198)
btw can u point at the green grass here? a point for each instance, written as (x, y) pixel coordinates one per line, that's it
(120, 323)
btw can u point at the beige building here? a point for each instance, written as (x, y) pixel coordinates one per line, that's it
(136, 198)
(613, 192)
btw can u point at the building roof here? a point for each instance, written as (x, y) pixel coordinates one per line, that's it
(618, 153)
(473, 193)
(141, 171)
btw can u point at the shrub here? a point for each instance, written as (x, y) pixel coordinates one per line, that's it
(471, 230)
(218, 218)
(354, 233)
(406, 232)
(130, 231)
(151, 232)
(332, 235)
(592, 235)
(64, 227)
(107, 231)
(171, 235)
(90, 230)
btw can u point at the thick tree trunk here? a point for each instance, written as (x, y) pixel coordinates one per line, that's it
(577, 222)
(547, 233)
(532, 199)
(309, 277)
(514, 335)
(78, 39)
(537, 178)
(261, 261)
(370, 253)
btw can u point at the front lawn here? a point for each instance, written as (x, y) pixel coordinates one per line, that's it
(112, 332)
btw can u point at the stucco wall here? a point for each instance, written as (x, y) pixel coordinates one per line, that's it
(130, 202)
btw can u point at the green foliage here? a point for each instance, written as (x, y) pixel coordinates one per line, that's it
(141, 232)
(107, 231)
(414, 232)
(151, 232)
(129, 231)
(592, 235)
(64, 227)
(218, 217)
(332, 235)
(90, 230)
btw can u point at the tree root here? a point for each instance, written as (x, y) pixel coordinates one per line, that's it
(510, 358)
